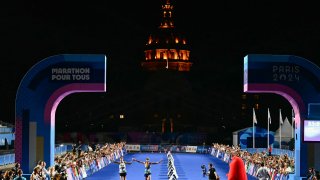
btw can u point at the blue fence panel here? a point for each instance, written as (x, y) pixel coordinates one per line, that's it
(6, 130)
(6, 159)
(61, 149)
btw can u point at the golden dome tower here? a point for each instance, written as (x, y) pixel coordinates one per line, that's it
(166, 49)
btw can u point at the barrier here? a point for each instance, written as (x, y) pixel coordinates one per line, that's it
(7, 159)
(172, 173)
(6, 130)
(61, 149)
(9, 136)
(251, 168)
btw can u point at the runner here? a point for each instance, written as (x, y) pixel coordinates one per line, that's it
(147, 165)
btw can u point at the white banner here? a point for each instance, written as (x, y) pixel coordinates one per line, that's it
(192, 149)
(131, 147)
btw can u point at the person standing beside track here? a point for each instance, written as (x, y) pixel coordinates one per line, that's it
(147, 165)
(212, 174)
(237, 170)
(122, 168)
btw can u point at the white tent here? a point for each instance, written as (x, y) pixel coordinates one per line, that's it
(286, 132)
(235, 136)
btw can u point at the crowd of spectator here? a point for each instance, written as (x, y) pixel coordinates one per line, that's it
(257, 164)
(12, 174)
(79, 164)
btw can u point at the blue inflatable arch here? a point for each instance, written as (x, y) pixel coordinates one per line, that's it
(38, 96)
(297, 80)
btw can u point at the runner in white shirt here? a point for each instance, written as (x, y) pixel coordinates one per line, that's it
(122, 168)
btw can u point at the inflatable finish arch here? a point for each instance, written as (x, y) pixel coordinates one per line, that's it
(38, 95)
(297, 80)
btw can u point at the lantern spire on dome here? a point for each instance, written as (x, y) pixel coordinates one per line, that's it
(166, 20)
(165, 48)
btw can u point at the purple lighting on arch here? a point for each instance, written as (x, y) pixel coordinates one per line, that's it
(291, 95)
(58, 95)
(56, 98)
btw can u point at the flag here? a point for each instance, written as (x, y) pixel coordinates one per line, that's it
(254, 117)
(281, 121)
(269, 117)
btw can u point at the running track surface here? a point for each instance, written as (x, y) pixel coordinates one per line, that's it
(188, 167)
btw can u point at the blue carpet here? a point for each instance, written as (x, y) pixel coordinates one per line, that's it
(188, 167)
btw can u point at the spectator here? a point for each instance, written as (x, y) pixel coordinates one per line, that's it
(311, 174)
(270, 150)
(19, 175)
(263, 172)
(6, 144)
(15, 169)
(212, 174)
(1, 174)
(8, 175)
(36, 174)
(79, 148)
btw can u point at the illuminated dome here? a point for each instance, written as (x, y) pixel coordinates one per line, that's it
(167, 49)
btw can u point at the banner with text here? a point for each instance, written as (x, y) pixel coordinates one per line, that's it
(149, 148)
(192, 149)
(130, 147)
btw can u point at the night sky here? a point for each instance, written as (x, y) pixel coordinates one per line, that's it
(220, 34)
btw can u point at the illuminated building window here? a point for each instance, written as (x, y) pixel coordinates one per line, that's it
(243, 106)
(150, 39)
(184, 41)
(244, 96)
(165, 55)
(256, 106)
(177, 40)
(161, 55)
(121, 116)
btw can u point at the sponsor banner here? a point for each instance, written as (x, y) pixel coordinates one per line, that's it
(172, 148)
(192, 149)
(130, 147)
(203, 149)
(149, 147)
